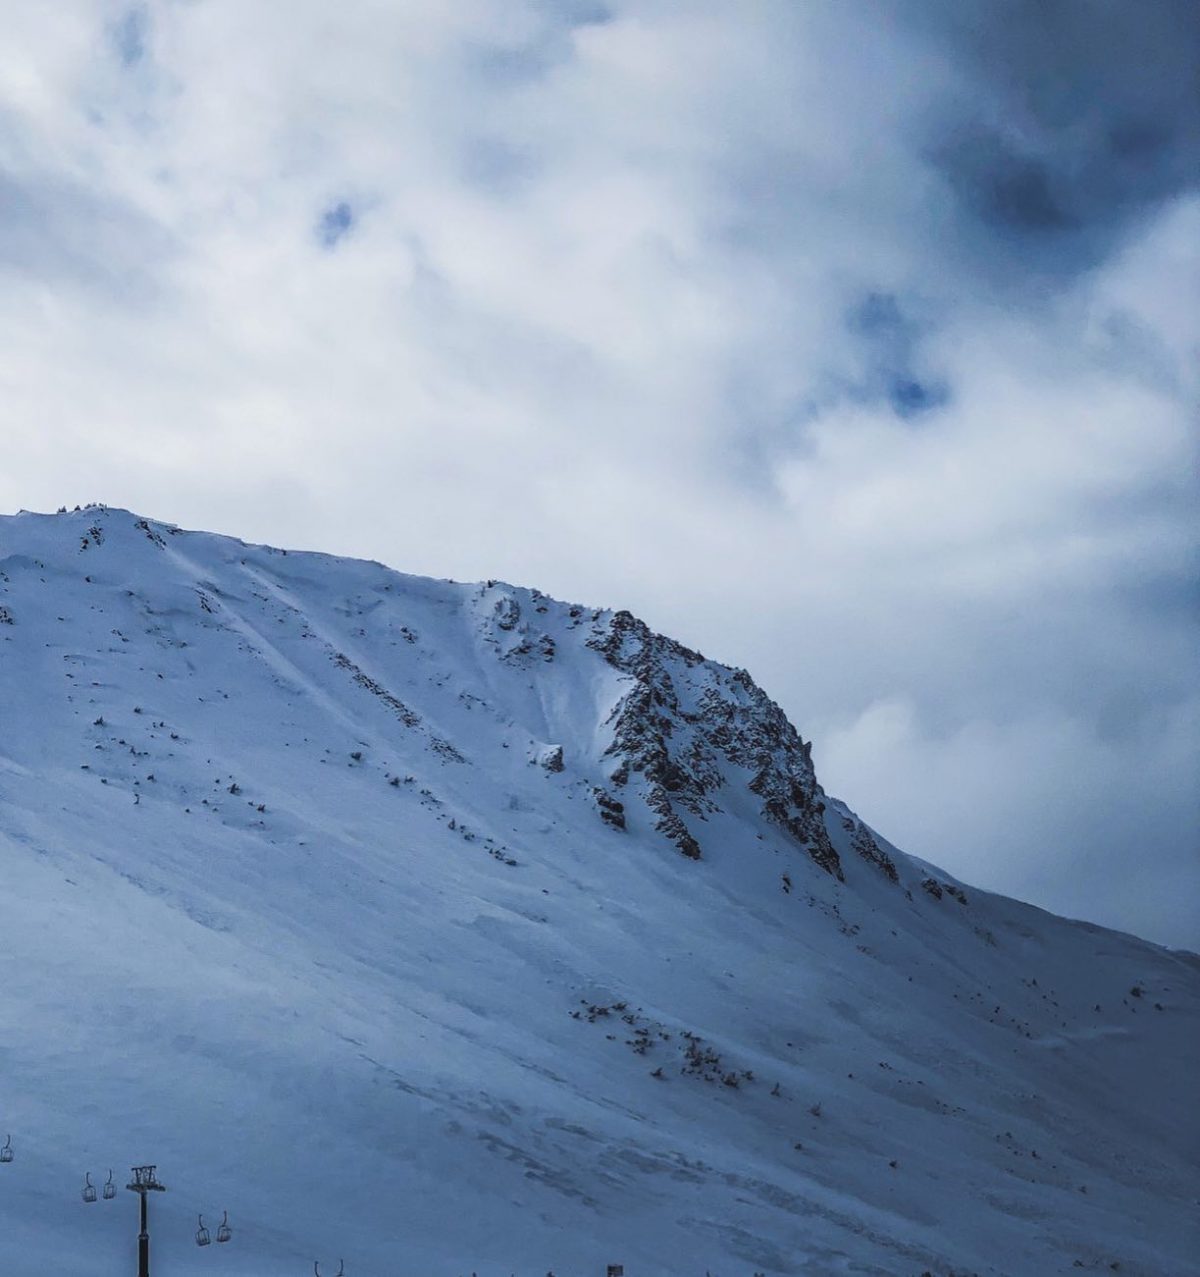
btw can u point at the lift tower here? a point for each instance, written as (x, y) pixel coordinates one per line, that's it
(145, 1180)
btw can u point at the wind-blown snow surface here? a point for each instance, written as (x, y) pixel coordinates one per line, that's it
(315, 893)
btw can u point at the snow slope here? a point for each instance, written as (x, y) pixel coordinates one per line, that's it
(371, 907)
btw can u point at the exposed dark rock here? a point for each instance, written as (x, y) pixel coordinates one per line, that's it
(508, 612)
(681, 723)
(611, 811)
(937, 889)
(406, 715)
(144, 526)
(864, 843)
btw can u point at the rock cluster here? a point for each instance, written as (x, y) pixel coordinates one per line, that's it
(863, 842)
(688, 727)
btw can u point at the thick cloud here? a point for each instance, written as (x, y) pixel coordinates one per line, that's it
(855, 344)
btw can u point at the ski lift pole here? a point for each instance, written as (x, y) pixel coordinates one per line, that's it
(145, 1180)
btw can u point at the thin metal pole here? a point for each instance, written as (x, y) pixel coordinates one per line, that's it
(143, 1242)
(145, 1180)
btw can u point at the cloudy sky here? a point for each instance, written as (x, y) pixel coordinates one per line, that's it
(854, 342)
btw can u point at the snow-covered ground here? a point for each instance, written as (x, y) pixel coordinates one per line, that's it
(314, 892)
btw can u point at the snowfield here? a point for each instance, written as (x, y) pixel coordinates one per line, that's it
(447, 928)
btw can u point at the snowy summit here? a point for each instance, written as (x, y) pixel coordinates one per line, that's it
(448, 928)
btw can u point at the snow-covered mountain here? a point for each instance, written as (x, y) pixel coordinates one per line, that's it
(447, 928)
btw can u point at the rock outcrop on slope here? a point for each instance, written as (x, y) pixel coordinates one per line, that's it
(685, 730)
(686, 723)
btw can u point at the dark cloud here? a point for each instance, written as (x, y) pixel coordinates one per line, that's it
(1009, 191)
(1073, 118)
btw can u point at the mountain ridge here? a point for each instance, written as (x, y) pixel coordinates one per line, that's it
(424, 835)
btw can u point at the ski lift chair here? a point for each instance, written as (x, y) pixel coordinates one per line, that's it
(6, 1153)
(340, 1272)
(89, 1191)
(224, 1233)
(202, 1237)
(110, 1189)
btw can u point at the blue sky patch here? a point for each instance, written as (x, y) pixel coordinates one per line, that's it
(130, 35)
(336, 223)
(889, 339)
(910, 397)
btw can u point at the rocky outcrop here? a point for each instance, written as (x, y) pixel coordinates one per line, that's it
(683, 730)
(688, 728)
(517, 639)
(937, 889)
(611, 811)
(863, 842)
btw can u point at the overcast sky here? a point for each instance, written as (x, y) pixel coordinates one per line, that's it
(854, 342)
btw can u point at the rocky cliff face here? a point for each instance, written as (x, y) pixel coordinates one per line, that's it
(689, 728)
(685, 733)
